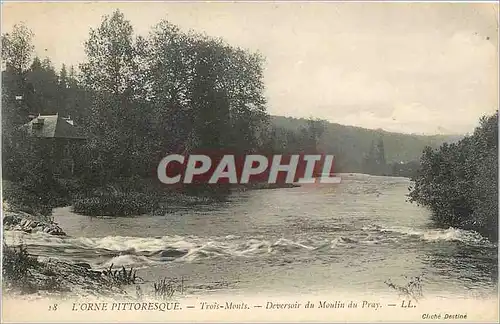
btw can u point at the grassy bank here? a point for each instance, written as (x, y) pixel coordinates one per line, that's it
(20, 197)
(24, 274)
(147, 197)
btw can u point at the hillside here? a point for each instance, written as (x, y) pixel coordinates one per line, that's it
(350, 143)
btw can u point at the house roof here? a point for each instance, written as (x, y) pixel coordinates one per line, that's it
(53, 126)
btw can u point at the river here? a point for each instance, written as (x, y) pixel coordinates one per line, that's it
(351, 236)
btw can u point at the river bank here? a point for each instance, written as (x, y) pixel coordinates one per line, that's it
(27, 274)
(122, 197)
(352, 237)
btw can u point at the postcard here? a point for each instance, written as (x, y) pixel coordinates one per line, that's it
(249, 161)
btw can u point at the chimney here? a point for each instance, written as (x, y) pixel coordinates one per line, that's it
(38, 123)
(69, 120)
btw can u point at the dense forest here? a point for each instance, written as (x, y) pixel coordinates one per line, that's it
(366, 150)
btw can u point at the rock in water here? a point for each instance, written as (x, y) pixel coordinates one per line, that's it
(20, 221)
(172, 253)
(168, 253)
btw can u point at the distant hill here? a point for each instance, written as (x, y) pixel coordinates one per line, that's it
(350, 143)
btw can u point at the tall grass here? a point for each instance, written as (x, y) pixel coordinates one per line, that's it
(165, 288)
(17, 265)
(411, 290)
(122, 276)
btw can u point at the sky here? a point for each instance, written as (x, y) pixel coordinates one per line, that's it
(422, 68)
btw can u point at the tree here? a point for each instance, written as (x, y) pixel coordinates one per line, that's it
(374, 162)
(109, 75)
(110, 57)
(17, 50)
(62, 92)
(459, 182)
(42, 88)
(204, 89)
(171, 59)
(380, 157)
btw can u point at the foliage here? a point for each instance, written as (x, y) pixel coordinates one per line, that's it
(16, 266)
(169, 92)
(122, 276)
(17, 47)
(17, 50)
(374, 162)
(109, 204)
(133, 196)
(165, 288)
(28, 90)
(27, 164)
(141, 98)
(412, 289)
(459, 182)
(350, 144)
(23, 272)
(305, 139)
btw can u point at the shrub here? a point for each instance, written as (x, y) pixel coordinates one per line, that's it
(16, 266)
(121, 277)
(412, 289)
(135, 196)
(28, 165)
(114, 202)
(165, 288)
